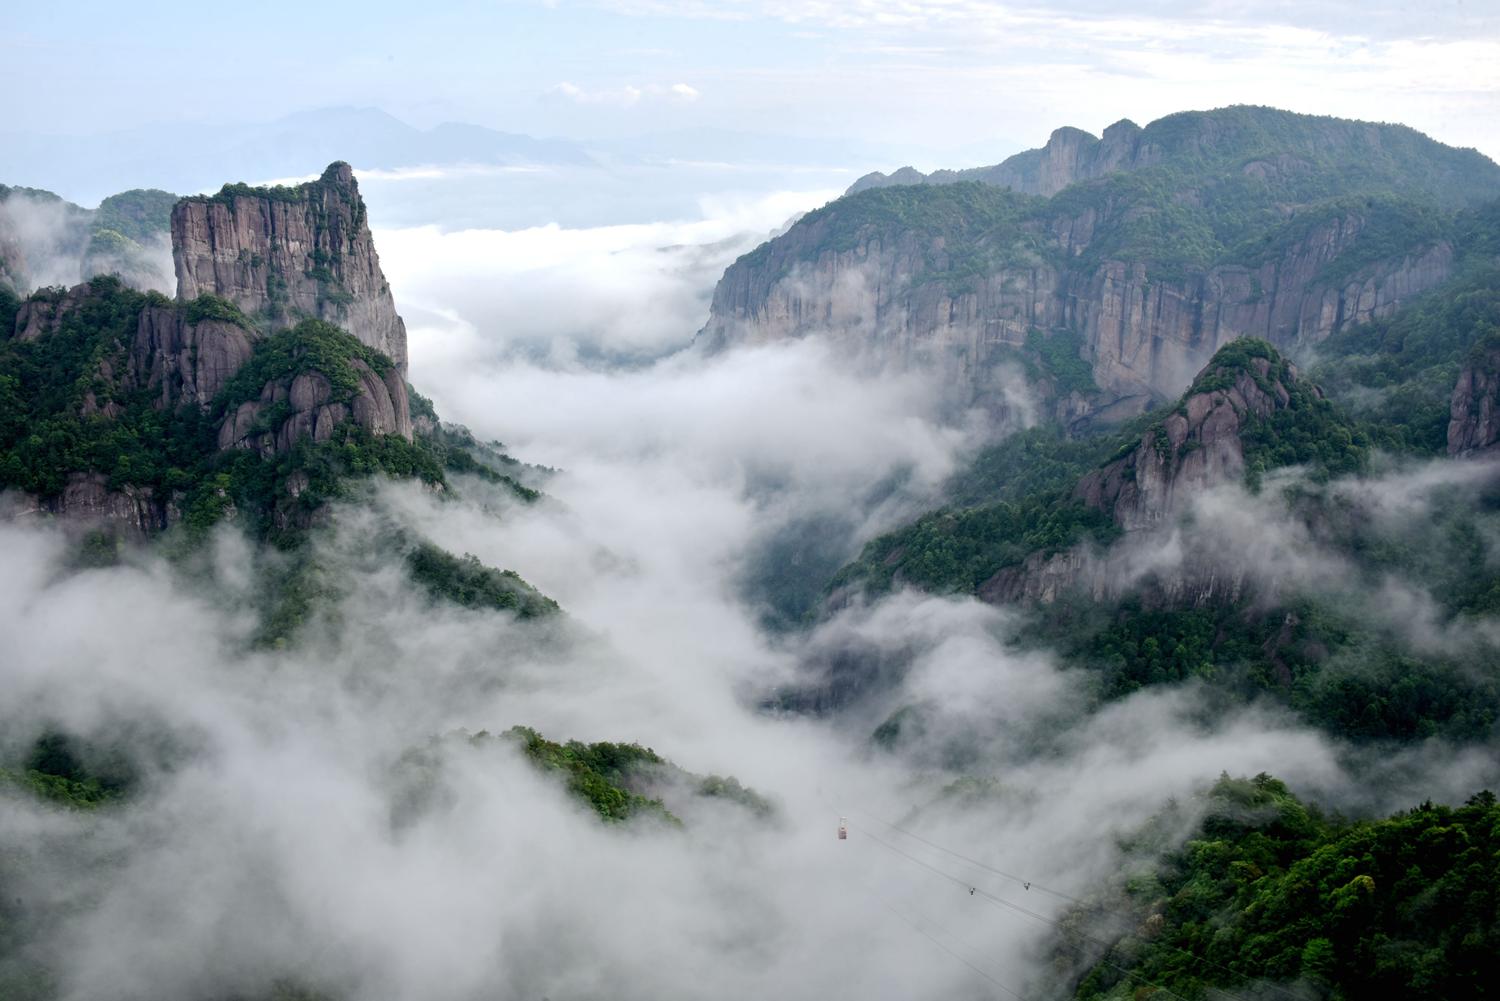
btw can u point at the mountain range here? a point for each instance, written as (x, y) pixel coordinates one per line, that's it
(1243, 371)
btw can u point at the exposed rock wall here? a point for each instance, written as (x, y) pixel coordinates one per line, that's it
(303, 407)
(282, 255)
(182, 362)
(1145, 337)
(87, 500)
(1474, 415)
(1193, 449)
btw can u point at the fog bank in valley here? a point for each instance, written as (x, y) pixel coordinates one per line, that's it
(314, 813)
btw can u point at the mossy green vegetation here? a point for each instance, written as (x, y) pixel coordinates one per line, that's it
(958, 550)
(622, 782)
(45, 434)
(1017, 499)
(1269, 890)
(1323, 663)
(137, 215)
(600, 774)
(63, 412)
(310, 346)
(469, 583)
(211, 307)
(1305, 430)
(61, 771)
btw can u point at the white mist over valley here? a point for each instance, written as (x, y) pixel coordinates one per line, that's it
(687, 560)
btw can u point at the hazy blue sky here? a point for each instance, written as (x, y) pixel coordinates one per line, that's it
(928, 74)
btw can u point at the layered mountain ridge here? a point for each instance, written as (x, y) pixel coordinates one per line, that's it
(1146, 250)
(46, 240)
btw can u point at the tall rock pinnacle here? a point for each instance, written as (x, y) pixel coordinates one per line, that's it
(283, 254)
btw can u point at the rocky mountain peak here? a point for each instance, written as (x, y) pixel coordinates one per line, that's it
(284, 254)
(1200, 443)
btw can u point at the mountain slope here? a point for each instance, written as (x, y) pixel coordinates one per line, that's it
(1242, 221)
(1247, 412)
(45, 240)
(1267, 891)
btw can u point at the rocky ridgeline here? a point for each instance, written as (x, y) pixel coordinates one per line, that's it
(1072, 155)
(46, 240)
(283, 254)
(189, 352)
(893, 285)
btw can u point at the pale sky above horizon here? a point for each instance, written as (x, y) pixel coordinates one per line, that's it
(935, 76)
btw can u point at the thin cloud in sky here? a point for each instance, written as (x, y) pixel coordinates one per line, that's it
(627, 96)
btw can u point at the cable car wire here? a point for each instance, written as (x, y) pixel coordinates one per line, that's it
(956, 955)
(1032, 884)
(997, 901)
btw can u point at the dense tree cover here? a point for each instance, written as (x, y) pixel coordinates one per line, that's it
(466, 581)
(44, 383)
(1307, 430)
(600, 773)
(60, 770)
(137, 215)
(1269, 891)
(1034, 461)
(310, 346)
(618, 780)
(1054, 359)
(1330, 667)
(46, 435)
(1017, 497)
(1235, 186)
(959, 550)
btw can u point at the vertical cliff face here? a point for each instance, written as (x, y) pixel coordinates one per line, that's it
(1474, 422)
(890, 297)
(1150, 247)
(183, 361)
(285, 254)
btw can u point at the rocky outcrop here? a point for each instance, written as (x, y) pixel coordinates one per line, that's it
(1197, 447)
(304, 406)
(1312, 225)
(285, 254)
(87, 501)
(183, 362)
(1474, 410)
(1071, 155)
(1194, 448)
(48, 241)
(44, 312)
